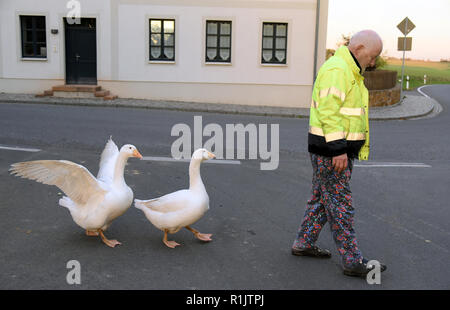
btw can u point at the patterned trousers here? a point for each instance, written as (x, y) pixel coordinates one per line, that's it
(331, 201)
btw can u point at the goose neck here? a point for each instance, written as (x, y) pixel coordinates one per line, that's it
(195, 179)
(119, 169)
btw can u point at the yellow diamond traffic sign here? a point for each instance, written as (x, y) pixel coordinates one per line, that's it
(406, 26)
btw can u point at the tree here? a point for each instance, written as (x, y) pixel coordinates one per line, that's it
(330, 52)
(345, 40)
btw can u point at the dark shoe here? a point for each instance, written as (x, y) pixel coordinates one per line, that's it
(361, 269)
(313, 252)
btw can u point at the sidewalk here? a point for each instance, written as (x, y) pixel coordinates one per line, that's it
(411, 107)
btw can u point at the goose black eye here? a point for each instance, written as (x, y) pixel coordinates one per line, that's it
(130, 147)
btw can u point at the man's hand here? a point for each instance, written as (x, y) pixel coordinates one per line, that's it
(340, 162)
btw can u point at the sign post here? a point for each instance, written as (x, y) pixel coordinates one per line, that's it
(405, 27)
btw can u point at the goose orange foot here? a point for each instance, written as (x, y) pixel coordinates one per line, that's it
(170, 244)
(110, 243)
(198, 235)
(204, 237)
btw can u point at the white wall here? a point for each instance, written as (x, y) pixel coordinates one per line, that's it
(122, 50)
(190, 32)
(12, 64)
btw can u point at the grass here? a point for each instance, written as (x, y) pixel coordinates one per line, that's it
(437, 72)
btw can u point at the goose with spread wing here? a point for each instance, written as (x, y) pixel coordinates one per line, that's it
(93, 202)
(182, 208)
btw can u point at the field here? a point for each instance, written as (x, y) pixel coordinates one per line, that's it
(437, 72)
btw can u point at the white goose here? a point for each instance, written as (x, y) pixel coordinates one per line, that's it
(182, 208)
(93, 202)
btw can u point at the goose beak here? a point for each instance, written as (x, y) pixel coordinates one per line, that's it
(211, 155)
(137, 154)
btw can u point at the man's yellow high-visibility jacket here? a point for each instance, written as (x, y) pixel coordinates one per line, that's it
(339, 116)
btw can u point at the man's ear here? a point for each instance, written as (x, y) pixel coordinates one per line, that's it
(358, 49)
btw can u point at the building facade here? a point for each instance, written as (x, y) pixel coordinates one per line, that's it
(251, 52)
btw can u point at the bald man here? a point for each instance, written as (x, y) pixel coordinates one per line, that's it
(338, 133)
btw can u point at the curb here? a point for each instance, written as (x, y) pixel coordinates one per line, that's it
(430, 103)
(167, 105)
(397, 111)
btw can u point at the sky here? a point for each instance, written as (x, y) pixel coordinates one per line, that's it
(430, 38)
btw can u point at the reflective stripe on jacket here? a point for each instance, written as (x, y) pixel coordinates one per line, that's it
(339, 119)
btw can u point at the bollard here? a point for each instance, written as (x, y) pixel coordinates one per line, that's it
(407, 82)
(424, 79)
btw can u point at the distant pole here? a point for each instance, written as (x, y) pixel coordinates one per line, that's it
(316, 42)
(403, 62)
(405, 27)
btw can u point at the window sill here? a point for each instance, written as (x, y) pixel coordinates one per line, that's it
(33, 59)
(218, 63)
(164, 62)
(274, 65)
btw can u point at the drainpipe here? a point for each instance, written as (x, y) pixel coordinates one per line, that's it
(316, 43)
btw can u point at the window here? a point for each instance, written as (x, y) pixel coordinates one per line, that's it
(162, 39)
(218, 41)
(34, 43)
(274, 43)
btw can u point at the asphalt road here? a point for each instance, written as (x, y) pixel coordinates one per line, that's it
(402, 212)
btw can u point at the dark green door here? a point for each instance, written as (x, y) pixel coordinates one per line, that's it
(81, 52)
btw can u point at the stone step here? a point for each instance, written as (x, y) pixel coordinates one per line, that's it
(102, 93)
(78, 91)
(73, 94)
(110, 97)
(77, 88)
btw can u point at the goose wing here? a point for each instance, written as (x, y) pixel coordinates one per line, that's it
(108, 162)
(73, 179)
(168, 203)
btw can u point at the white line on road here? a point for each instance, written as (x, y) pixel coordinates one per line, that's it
(437, 106)
(15, 148)
(238, 162)
(421, 92)
(383, 165)
(170, 159)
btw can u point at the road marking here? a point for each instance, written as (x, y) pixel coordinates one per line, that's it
(15, 148)
(437, 106)
(421, 92)
(170, 159)
(383, 165)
